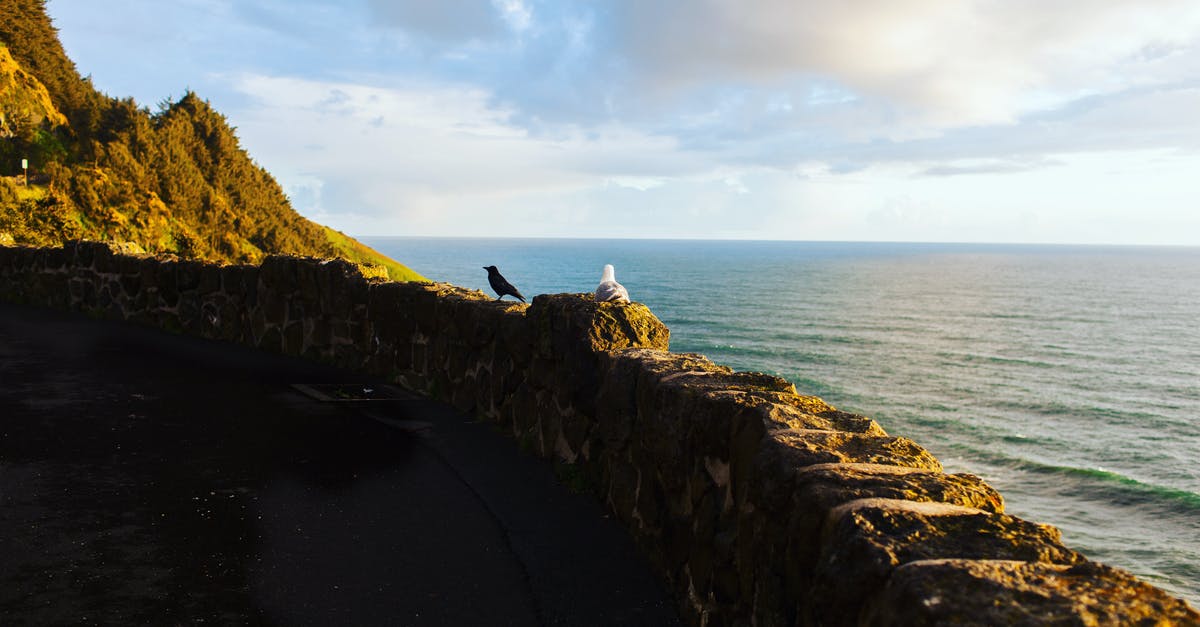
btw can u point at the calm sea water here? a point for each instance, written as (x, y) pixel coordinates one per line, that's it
(1068, 377)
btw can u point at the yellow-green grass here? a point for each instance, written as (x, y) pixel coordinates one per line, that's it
(359, 253)
(33, 192)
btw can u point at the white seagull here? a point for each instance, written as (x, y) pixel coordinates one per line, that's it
(609, 290)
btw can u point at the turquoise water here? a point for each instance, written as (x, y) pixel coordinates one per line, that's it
(1068, 377)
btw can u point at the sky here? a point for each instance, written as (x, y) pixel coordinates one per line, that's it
(1046, 121)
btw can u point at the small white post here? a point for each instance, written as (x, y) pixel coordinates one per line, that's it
(25, 169)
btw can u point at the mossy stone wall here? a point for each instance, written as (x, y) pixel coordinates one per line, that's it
(758, 505)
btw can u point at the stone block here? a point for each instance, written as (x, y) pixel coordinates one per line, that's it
(463, 397)
(573, 329)
(293, 338)
(1005, 592)
(423, 300)
(475, 318)
(794, 448)
(524, 410)
(232, 321)
(297, 309)
(189, 312)
(166, 279)
(56, 259)
(86, 253)
(336, 279)
(131, 284)
(104, 258)
(616, 402)
(576, 430)
(781, 536)
(826, 486)
(627, 325)
(460, 359)
(249, 276)
(210, 318)
(271, 339)
(506, 375)
(210, 279)
(321, 331)
(391, 321)
(622, 491)
(864, 541)
(58, 295)
(188, 275)
(420, 362)
(106, 306)
(483, 389)
(238, 283)
(278, 272)
(550, 420)
(515, 334)
(128, 264)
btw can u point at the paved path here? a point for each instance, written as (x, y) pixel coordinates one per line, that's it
(147, 478)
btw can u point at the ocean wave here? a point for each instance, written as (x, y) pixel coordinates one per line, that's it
(792, 338)
(1129, 490)
(996, 359)
(1109, 414)
(1100, 483)
(731, 350)
(1004, 316)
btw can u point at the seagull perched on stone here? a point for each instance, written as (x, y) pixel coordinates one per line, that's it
(609, 290)
(501, 285)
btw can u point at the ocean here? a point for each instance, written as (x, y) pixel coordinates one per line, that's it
(1068, 377)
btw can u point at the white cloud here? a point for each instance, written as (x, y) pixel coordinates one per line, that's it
(640, 183)
(516, 13)
(936, 63)
(423, 153)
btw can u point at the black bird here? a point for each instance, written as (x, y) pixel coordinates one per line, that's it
(501, 285)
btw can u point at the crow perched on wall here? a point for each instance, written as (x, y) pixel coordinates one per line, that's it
(501, 285)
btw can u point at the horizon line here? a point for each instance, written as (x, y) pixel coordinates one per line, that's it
(780, 241)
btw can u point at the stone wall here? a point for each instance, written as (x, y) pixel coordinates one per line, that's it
(756, 504)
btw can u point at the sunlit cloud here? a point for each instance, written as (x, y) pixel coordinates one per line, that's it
(938, 64)
(414, 151)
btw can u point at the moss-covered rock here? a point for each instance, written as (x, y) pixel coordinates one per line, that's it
(1007, 592)
(575, 324)
(826, 486)
(864, 541)
(795, 448)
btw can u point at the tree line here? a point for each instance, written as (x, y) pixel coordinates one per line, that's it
(172, 181)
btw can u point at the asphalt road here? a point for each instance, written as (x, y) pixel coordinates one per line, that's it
(149, 478)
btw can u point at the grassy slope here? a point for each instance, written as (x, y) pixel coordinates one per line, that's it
(358, 252)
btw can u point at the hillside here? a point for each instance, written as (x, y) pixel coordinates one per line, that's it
(174, 181)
